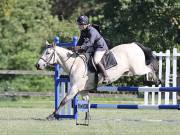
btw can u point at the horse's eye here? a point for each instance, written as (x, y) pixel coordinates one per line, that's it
(47, 53)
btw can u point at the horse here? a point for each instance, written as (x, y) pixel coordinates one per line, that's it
(131, 60)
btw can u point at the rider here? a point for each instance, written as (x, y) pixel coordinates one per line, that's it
(92, 42)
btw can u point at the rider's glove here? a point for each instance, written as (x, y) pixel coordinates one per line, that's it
(84, 47)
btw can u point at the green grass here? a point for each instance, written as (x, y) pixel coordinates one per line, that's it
(27, 116)
(47, 102)
(31, 121)
(30, 102)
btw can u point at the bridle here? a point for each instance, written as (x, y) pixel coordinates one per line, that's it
(53, 56)
(50, 58)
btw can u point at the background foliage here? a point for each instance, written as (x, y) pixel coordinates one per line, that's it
(26, 24)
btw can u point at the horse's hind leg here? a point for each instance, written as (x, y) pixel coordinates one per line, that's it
(85, 95)
(152, 77)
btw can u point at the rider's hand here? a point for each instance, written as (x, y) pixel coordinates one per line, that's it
(83, 47)
(77, 48)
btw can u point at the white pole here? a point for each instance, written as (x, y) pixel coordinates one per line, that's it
(167, 75)
(160, 76)
(146, 94)
(153, 97)
(174, 74)
(146, 97)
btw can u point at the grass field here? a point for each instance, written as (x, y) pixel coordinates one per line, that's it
(27, 117)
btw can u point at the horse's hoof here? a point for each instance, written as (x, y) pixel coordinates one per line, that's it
(106, 81)
(162, 82)
(159, 82)
(51, 117)
(148, 83)
(149, 76)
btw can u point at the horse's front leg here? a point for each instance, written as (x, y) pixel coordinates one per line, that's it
(72, 92)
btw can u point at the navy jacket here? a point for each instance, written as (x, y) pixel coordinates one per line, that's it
(92, 40)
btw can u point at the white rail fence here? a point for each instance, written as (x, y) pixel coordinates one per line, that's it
(167, 72)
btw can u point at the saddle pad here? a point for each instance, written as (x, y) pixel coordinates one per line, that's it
(109, 60)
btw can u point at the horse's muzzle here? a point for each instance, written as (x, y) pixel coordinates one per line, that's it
(38, 67)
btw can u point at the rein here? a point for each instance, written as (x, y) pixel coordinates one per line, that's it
(76, 56)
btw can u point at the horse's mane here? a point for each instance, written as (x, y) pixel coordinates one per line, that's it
(65, 49)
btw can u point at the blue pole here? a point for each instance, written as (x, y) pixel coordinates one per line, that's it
(75, 40)
(57, 86)
(57, 79)
(57, 40)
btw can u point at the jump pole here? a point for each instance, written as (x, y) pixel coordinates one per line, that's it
(61, 83)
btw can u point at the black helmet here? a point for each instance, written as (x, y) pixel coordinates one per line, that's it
(82, 20)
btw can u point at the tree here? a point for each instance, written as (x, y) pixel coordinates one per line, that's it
(24, 27)
(154, 23)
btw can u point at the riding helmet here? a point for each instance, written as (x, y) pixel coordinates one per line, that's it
(82, 20)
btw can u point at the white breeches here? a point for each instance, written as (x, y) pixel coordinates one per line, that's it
(98, 56)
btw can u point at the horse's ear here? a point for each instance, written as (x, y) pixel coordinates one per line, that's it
(47, 43)
(53, 44)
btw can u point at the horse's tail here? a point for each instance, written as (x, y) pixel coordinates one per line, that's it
(150, 59)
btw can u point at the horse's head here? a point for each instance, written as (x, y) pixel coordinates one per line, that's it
(48, 57)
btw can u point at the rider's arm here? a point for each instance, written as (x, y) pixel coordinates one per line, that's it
(90, 41)
(80, 41)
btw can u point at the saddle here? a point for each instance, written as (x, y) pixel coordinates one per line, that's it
(108, 61)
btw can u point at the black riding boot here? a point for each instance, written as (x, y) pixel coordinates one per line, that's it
(103, 71)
